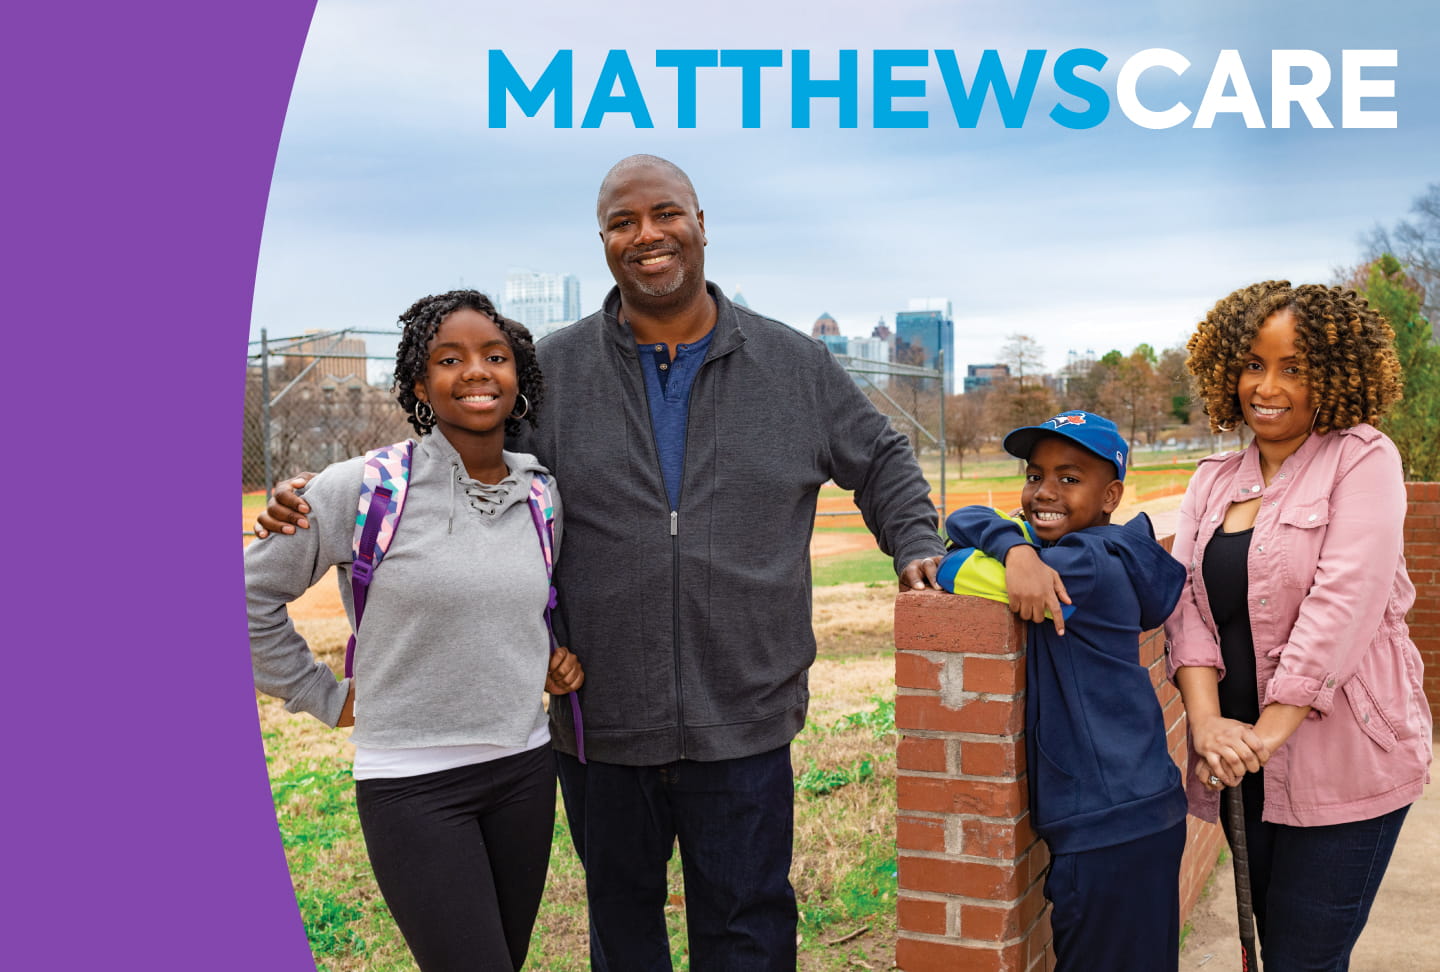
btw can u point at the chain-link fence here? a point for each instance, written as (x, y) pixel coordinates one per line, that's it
(325, 396)
(913, 398)
(316, 399)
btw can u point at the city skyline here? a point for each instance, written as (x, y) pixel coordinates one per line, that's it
(389, 184)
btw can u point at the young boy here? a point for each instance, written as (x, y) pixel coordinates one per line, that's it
(1104, 792)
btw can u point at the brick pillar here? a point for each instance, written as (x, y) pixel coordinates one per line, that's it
(1422, 561)
(971, 869)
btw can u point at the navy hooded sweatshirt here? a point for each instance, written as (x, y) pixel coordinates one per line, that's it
(1099, 768)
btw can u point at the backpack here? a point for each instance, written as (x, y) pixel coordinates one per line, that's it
(383, 485)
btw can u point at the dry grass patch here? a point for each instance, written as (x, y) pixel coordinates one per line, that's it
(843, 868)
(854, 620)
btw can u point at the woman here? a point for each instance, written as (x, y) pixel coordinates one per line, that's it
(1289, 645)
(455, 782)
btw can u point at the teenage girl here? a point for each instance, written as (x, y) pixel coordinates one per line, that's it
(455, 783)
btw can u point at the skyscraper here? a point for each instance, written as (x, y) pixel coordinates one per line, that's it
(543, 302)
(923, 331)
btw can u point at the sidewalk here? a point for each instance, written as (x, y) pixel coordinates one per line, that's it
(1402, 934)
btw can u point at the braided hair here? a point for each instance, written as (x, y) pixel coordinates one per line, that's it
(419, 325)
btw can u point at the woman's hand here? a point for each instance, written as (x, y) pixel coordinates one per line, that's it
(565, 673)
(1228, 749)
(1034, 587)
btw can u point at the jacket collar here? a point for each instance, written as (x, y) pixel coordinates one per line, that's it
(1249, 481)
(727, 333)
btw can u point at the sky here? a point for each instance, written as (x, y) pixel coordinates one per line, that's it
(389, 183)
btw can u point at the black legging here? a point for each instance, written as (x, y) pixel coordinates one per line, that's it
(460, 856)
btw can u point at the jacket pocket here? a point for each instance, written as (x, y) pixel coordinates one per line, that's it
(1368, 714)
(1057, 790)
(1300, 534)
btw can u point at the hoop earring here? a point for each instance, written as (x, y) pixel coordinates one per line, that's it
(425, 415)
(1225, 428)
(1314, 417)
(520, 415)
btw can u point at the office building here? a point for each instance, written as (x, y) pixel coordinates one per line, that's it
(543, 302)
(925, 330)
(978, 377)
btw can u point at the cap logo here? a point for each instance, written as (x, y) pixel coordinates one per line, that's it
(1060, 420)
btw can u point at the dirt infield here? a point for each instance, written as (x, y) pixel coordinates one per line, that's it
(323, 600)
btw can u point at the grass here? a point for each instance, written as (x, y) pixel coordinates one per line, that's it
(844, 863)
(863, 567)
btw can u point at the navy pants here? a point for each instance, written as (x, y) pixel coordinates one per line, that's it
(1118, 907)
(1313, 886)
(460, 857)
(734, 821)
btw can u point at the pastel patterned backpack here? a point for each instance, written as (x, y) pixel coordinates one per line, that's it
(383, 486)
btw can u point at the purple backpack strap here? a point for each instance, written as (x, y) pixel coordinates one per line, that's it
(382, 499)
(542, 514)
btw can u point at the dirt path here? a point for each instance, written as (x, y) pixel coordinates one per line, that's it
(1402, 934)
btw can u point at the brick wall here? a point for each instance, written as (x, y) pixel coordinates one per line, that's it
(1422, 559)
(971, 869)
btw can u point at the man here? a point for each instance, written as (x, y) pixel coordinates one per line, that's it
(690, 438)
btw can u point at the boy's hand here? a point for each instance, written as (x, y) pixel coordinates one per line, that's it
(1034, 587)
(565, 673)
(286, 508)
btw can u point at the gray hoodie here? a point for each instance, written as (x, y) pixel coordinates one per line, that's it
(453, 649)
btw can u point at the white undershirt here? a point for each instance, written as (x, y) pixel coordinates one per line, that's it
(389, 764)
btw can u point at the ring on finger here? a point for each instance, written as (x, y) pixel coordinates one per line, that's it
(1214, 780)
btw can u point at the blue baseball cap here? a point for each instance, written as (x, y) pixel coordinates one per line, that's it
(1086, 429)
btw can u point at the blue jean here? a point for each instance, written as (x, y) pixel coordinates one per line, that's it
(1118, 907)
(734, 821)
(1312, 887)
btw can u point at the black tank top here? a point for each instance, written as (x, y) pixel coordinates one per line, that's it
(1227, 582)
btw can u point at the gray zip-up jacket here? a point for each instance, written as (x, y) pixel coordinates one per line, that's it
(694, 624)
(453, 649)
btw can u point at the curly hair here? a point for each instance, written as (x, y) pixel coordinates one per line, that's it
(1345, 349)
(419, 325)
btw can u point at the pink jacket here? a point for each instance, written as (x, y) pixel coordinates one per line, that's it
(1328, 595)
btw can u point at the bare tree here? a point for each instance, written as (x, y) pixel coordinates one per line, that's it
(1133, 395)
(1023, 354)
(1175, 382)
(1011, 403)
(965, 425)
(1084, 379)
(1416, 244)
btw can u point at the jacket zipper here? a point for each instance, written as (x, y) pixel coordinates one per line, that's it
(675, 614)
(675, 531)
(675, 548)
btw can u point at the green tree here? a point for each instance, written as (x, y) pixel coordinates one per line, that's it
(1134, 396)
(1414, 422)
(1416, 243)
(1176, 381)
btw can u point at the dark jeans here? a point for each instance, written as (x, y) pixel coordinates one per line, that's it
(1313, 886)
(461, 855)
(734, 820)
(1118, 907)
